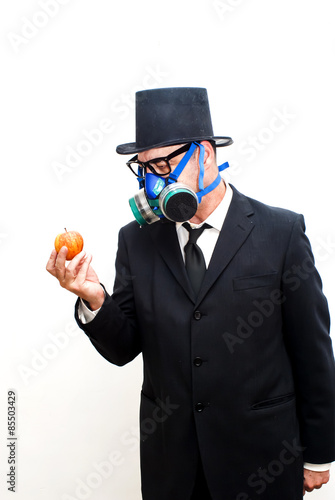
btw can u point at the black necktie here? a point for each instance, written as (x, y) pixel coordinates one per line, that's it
(194, 259)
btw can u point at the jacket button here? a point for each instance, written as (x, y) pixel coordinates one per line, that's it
(197, 315)
(197, 361)
(199, 407)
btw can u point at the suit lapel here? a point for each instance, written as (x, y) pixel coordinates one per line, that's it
(165, 237)
(235, 230)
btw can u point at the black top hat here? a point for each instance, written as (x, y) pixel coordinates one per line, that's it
(169, 116)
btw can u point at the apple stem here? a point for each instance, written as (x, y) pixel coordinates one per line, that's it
(65, 229)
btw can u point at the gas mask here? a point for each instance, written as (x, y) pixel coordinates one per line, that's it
(161, 197)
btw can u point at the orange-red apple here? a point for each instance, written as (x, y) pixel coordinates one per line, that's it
(72, 240)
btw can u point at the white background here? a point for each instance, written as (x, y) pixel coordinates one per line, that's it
(71, 66)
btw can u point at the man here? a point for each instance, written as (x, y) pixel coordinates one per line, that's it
(238, 398)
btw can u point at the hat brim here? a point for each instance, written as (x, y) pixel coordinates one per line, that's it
(132, 147)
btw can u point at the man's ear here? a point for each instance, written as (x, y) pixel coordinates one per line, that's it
(209, 156)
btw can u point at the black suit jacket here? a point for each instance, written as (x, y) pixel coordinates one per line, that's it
(242, 375)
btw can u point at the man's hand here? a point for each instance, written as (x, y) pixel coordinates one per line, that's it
(314, 480)
(78, 277)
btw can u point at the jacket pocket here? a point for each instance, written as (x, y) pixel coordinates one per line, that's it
(255, 281)
(273, 402)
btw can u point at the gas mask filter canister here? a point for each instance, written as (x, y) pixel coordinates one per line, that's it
(176, 202)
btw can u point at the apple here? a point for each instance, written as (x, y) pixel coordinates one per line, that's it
(72, 240)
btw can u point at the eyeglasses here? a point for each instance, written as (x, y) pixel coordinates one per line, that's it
(159, 166)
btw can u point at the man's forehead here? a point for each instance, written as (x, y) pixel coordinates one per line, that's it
(151, 154)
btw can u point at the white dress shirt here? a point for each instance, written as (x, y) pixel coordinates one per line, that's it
(206, 241)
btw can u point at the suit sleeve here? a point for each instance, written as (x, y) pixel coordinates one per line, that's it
(113, 331)
(306, 329)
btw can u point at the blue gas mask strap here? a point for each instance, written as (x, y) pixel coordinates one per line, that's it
(201, 165)
(214, 184)
(202, 192)
(140, 177)
(223, 166)
(181, 165)
(173, 177)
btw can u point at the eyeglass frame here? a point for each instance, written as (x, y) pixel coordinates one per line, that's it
(146, 164)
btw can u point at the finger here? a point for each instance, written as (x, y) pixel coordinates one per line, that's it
(84, 268)
(307, 485)
(72, 268)
(60, 267)
(50, 267)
